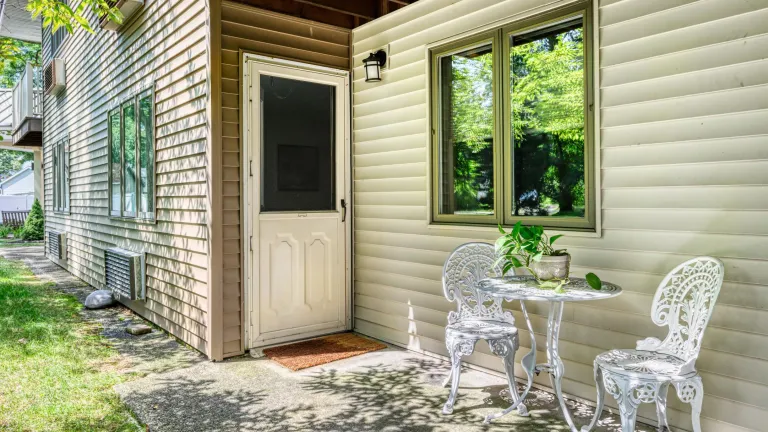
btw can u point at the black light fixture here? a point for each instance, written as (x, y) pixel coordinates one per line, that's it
(373, 65)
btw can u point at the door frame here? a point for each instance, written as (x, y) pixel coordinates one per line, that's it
(249, 172)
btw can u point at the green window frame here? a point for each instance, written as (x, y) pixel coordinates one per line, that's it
(499, 185)
(131, 157)
(60, 162)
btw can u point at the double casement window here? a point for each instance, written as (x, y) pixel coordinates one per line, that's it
(512, 125)
(60, 162)
(132, 158)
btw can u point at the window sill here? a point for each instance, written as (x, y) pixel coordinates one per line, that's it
(135, 220)
(592, 233)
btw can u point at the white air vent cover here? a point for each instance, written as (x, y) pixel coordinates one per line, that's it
(57, 245)
(127, 8)
(124, 273)
(54, 76)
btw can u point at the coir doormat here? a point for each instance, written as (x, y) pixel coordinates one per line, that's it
(323, 350)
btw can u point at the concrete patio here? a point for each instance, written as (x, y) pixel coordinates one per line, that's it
(176, 389)
(389, 390)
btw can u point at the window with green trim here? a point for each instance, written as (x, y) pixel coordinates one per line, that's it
(131, 129)
(512, 125)
(60, 162)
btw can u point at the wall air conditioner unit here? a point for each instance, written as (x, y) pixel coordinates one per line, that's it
(57, 245)
(54, 77)
(124, 271)
(126, 7)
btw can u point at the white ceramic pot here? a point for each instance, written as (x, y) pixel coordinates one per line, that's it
(552, 267)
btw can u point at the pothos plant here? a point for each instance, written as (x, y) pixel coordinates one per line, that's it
(524, 245)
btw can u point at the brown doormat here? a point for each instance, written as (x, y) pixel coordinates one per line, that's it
(324, 350)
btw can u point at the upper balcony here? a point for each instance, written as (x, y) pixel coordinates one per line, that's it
(27, 125)
(6, 113)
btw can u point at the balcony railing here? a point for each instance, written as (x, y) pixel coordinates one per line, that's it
(6, 112)
(28, 96)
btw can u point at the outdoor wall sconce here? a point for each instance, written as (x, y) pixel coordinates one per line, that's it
(373, 65)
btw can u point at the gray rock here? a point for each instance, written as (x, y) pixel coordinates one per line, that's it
(99, 299)
(138, 329)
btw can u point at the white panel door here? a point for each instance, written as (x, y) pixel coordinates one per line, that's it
(298, 179)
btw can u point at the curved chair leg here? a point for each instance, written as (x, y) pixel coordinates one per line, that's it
(600, 399)
(629, 393)
(506, 349)
(661, 407)
(628, 413)
(447, 379)
(456, 349)
(692, 391)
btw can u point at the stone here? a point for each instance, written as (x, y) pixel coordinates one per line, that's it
(138, 329)
(99, 299)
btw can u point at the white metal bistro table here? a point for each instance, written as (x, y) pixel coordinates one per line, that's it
(522, 288)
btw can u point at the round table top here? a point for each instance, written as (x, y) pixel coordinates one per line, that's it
(526, 288)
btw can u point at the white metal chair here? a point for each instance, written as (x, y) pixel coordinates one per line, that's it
(477, 316)
(684, 302)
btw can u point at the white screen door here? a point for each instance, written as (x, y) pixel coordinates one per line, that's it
(298, 176)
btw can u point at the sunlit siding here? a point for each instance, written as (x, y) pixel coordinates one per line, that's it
(164, 44)
(257, 31)
(684, 144)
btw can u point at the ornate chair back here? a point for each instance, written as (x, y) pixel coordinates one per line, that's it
(684, 302)
(463, 270)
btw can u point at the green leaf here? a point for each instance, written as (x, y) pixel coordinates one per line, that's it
(554, 238)
(501, 229)
(516, 229)
(499, 244)
(507, 267)
(594, 281)
(516, 262)
(526, 233)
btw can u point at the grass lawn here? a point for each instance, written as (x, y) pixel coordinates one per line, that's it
(9, 243)
(56, 370)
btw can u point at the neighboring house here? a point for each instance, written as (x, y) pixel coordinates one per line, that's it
(243, 151)
(21, 182)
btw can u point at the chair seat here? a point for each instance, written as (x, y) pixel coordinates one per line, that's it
(481, 329)
(644, 364)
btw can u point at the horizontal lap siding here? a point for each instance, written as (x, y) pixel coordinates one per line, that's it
(256, 31)
(684, 144)
(164, 44)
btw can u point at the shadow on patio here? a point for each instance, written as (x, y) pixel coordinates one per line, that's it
(391, 390)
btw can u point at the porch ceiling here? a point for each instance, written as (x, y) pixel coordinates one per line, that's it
(342, 13)
(15, 22)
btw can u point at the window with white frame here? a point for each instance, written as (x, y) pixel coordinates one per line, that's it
(60, 161)
(132, 158)
(512, 125)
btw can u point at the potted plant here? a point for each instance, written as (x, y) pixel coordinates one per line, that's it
(531, 248)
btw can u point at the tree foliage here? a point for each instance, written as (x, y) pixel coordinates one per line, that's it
(546, 78)
(34, 227)
(472, 130)
(12, 160)
(548, 124)
(14, 59)
(56, 14)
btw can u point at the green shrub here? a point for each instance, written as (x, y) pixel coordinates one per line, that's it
(34, 227)
(5, 231)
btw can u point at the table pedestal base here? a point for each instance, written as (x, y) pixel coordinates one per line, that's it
(554, 364)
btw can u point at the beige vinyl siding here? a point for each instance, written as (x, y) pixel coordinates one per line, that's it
(163, 45)
(683, 148)
(248, 29)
